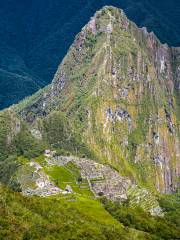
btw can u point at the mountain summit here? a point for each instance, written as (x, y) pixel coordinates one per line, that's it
(35, 36)
(110, 117)
(120, 87)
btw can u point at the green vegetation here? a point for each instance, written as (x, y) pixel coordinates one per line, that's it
(8, 168)
(61, 134)
(26, 145)
(177, 97)
(68, 175)
(57, 218)
(90, 41)
(157, 227)
(8, 163)
(5, 129)
(29, 100)
(171, 206)
(141, 197)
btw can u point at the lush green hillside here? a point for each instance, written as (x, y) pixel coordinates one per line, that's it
(73, 217)
(159, 228)
(77, 218)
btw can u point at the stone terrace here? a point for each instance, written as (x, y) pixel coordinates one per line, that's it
(102, 179)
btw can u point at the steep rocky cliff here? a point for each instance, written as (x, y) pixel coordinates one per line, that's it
(119, 88)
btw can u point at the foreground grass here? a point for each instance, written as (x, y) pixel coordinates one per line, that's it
(58, 218)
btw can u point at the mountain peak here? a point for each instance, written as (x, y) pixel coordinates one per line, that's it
(104, 19)
(118, 84)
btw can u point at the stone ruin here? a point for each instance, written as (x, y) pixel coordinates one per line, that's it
(102, 179)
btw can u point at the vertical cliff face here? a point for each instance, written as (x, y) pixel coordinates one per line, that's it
(176, 62)
(120, 87)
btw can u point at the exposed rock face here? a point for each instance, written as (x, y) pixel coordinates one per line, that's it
(121, 86)
(176, 59)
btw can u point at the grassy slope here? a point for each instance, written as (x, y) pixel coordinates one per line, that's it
(68, 175)
(76, 217)
(58, 218)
